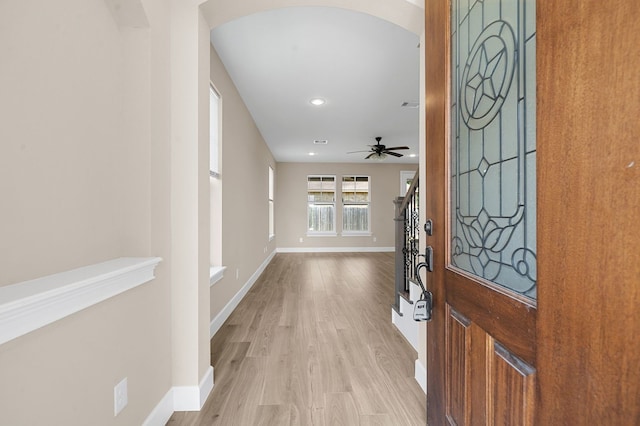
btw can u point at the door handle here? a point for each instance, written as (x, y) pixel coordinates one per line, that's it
(428, 258)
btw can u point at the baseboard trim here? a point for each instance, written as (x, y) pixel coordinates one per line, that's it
(192, 398)
(222, 316)
(162, 412)
(335, 249)
(421, 375)
(181, 398)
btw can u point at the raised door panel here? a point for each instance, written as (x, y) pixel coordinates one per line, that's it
(513, 389)
(486, 384)
(458, 356)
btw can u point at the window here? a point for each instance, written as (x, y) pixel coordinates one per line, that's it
(321, 202)
(215, 185)
(406, 177)
(355, 204)
(214, 132)
(272, 232)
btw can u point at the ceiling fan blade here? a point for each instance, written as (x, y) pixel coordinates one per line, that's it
(353, 152)
(398, 147)
(395, 154)
(370, 155)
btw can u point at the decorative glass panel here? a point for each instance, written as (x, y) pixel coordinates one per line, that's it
(493, 141)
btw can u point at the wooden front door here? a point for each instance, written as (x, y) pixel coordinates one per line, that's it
(533, 186)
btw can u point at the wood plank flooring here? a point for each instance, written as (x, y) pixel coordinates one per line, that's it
(312, 344)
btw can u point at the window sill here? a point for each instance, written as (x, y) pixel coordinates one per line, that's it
(215, 274)
(322, 234)
(356, 234)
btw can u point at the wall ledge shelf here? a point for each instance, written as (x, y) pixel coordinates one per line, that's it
(32, 304)
(215, 274)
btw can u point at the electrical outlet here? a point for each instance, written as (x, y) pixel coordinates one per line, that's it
(301, 240)
(237, 273)
(375, 239)
(265, 249)
(120, 397)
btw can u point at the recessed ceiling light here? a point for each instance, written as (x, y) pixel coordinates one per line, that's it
(312, 154)
(317, 101)
(412, 155)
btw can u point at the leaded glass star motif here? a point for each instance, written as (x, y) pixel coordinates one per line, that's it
(487, 75)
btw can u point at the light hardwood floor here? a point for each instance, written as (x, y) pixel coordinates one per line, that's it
(312, 344)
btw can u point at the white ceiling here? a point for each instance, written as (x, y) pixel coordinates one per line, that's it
(364, 68)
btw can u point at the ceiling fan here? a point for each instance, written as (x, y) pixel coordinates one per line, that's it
(379, 152)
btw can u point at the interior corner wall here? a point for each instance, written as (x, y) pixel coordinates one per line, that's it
(291, 204)
(245, 162)
(84, 178)
(189, 194)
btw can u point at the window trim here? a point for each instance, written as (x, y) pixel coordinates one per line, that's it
(351, 233)
(333, 232)
(271, 203)
(213, 91)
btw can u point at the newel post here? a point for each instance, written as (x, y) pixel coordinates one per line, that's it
(399, 251)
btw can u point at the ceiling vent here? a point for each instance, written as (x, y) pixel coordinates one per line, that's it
(410, 104)
(321, 142)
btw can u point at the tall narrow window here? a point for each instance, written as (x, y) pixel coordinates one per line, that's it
(321, 204)
(272, 228)
(215, 181)
(355, 204)
(214, 132)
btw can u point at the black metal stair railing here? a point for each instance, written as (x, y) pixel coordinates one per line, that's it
(407, 231)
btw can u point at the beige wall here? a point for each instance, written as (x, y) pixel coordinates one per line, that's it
(84, 178)
(245, 162)
(102, 153)
(291, 203)
(61, 138)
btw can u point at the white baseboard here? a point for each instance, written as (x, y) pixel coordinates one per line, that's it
(192, 398)
(162, 412)
(421, 375)
(335, 249)
(222, 316)
(181, 398)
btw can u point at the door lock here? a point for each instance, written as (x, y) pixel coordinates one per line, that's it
(424, 306)
(428, 227)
